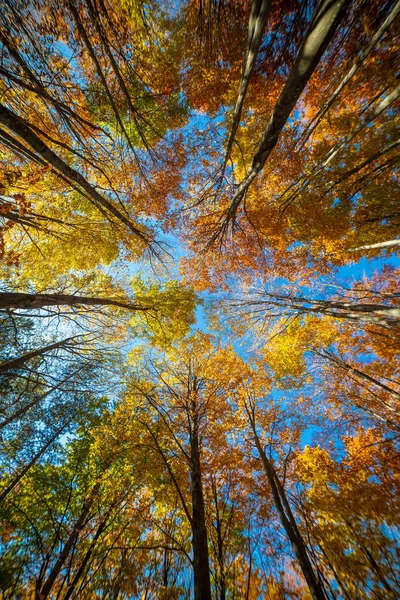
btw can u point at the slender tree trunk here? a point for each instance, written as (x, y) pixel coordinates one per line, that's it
(35, 401)
(82, 32)
(317, 168)
(71, 587)
(220, 545)
(287, 519)
(16, 363)
(30, 464)
(73, 536)
(15, 146)
(345, 366)
(38, 89)
(257, 21)
(21, 128)
(357, 64)
(376, 314)
(201, 566)
(165, 568)
(18, 300)
(321, 30)
(387, 244)
(106, 48)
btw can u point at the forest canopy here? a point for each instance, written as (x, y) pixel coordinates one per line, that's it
(199, 300)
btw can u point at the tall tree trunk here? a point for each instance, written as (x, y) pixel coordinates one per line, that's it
(107, 50)
(30, 464)
(18, 300)
(71, 587)
(16, 363)
(220, 545)
(73, 536)
(357, 64)
(345, 366)
(21, 128)
(288, 522)
(38, 88)
(35, 401)
(201, 566)
(386, 244)
(303, 182)
(257, 21)
(376, 314)
(321, 30)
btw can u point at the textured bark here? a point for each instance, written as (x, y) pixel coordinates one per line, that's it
(21, 128)
(17, 300)
(201, 566)
(375, 314)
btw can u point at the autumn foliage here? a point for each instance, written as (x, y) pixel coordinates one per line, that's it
(199, 301)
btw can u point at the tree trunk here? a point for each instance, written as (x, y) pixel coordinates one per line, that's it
(16, 363)
(201, 567)
(220, 578)
(73, 536)
(30, 464)
(317, 168)
(35, 401)
(319, 33)
(257, 21)
(80, 571)
(375, 314)
(343, 365)
(40, 90)
(21, 128)
(17, 300)
(287, 519)
(387, 244)
(358, 63)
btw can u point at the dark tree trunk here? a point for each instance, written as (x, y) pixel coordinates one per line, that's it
(16, 363)
(71, 587)
(17, 300)
(35, 401)
(288, 522)
(73, 536)
(201, 566)
(364, 376)
(321, 30)
(30, 464)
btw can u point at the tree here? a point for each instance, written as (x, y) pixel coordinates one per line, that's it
(199, 304)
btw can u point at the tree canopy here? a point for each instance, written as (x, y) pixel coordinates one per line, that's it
(199, 300)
